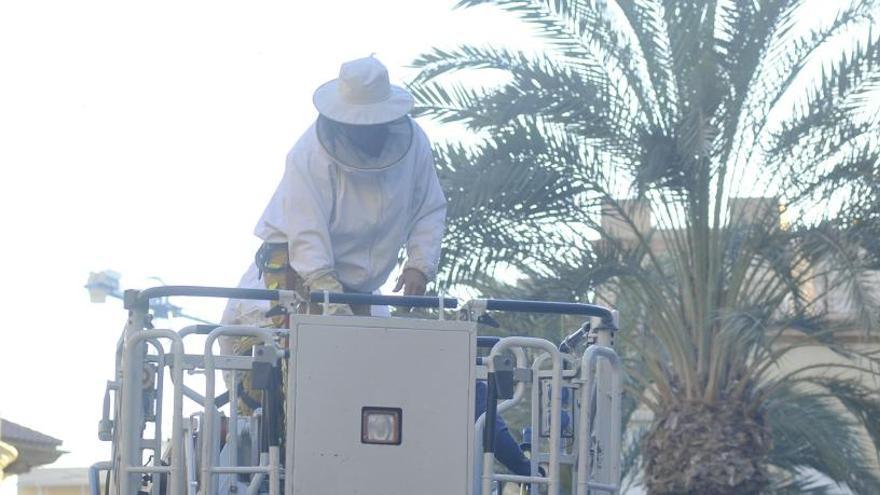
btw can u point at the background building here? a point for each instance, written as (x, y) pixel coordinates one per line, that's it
(22, 449)
(54, 481)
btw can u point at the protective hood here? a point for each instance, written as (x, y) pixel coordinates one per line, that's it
(339, 145)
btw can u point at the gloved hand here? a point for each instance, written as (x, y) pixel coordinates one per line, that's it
(329, 283)
(412, 281)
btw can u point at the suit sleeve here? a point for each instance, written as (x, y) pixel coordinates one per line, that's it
(428, 220)
(307, 202)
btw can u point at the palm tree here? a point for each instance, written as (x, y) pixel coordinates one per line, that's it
(675, 110)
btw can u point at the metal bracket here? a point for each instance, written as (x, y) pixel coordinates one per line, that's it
(265, 360)
(503, 369)
(289, 300)
(473, 310)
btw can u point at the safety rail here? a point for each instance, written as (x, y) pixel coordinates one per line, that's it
(607, 316)
(130, 447)
(552, 478)
(141, 299)
(210, 445)
(588, 364)
(480, 426)
(568, 371)
(383, 300)
(552, 369)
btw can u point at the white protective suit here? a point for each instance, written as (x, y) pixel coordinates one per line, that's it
(352, 223)
(246, 311)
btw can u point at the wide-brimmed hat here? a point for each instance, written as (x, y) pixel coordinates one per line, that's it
(362, 95)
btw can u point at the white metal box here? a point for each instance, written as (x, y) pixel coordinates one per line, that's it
(422, 368)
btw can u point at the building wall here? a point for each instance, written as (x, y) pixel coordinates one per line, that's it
(54, 490)
(55, 481)
(78, 488)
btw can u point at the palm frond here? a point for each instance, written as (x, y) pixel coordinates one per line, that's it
(677, 105)
(809, 431)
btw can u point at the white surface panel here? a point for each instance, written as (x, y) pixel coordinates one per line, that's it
(341, 365)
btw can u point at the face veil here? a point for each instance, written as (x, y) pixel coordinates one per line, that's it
(366, 147)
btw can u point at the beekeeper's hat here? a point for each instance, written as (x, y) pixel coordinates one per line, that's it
(362, 95)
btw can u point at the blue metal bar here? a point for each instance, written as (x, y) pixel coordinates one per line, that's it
(381, 300)
(143, 297)
(561, 308)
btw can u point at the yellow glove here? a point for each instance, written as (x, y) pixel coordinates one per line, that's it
(329, 283)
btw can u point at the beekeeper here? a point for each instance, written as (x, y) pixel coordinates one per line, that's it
(359, 185)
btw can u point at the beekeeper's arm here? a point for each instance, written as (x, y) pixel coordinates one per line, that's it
(426, 233)
(309, 192)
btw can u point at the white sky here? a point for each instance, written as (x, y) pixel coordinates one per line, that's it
(146, 137)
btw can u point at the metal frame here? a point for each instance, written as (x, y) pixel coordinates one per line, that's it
(588, 378)
(210, 446)
(552, 478)
(131, 425)
(595, 377)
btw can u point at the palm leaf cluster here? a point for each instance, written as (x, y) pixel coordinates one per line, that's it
(677, 111)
